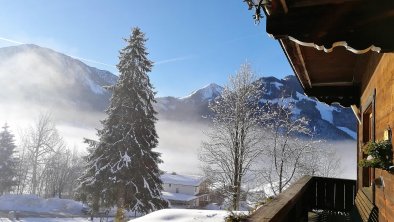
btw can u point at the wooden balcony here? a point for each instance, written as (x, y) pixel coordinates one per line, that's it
(310, 199)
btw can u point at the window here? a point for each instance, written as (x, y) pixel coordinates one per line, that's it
(169, 185)
(368, 134)
(195, 189)
(176, 190)
(367, 125)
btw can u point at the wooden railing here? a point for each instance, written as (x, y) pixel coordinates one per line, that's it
(309, 193)
(333, 194)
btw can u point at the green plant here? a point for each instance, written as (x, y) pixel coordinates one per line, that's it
(236, 217)
(379, 154)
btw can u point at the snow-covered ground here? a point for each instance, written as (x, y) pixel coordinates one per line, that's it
(39, 209)
(184, 215)
(76, 219)
(176, 215)
(32, 208)
(33, 203)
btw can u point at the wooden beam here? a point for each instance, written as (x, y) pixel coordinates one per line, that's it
(344, 95)
(299, 53)
(332, 84)
(284, 6)
(290, 49)
(305, 3)
(333, 91)
(358, 25)
(356, 112)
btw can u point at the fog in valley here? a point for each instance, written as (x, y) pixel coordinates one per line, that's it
(179, 142)
(346, 151)
(32, 84)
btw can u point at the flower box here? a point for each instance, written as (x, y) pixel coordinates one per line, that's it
(379, 155)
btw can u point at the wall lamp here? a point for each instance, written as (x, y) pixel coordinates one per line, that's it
(257, 5)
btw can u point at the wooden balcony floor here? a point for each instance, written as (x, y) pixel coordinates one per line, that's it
(328, 216)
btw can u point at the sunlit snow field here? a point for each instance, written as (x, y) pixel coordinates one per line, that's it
(183, 215)
(71, 211)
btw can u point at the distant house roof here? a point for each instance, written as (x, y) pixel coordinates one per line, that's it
(178, 196)
(181, 179)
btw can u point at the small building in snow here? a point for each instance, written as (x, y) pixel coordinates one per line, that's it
(184, 191)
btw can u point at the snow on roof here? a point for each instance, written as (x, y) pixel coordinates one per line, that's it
(183, 215)
(181, 179)
(177, 196)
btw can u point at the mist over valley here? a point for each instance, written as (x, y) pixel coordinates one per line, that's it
(36, 80)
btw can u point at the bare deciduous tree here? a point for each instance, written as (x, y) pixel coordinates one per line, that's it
(22, 171)
(322, 160)
(292, 150)
(40, 141)
(47, 167)
(61, 172)
(285, 149)
(233, 141)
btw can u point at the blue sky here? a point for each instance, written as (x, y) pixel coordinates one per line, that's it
(193, 43)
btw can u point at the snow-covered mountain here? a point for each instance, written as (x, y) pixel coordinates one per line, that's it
(206, 93)
(193, 107)
(329, 122)
(33, 74)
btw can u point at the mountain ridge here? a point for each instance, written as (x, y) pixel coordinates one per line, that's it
(330, 122)
(43, 76)
(54, 77)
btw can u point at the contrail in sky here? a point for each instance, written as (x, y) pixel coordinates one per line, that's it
(93, 61)
(105, 64)
(174, 60)
(11, 41)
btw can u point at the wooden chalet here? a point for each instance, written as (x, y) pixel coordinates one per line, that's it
(342, 52)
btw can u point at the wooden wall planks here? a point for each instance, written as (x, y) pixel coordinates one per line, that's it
(383, 81)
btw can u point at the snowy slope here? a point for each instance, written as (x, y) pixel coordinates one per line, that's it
(76, 219)
(329, 122)
(33, 203)
(208, 92)
(52, 79)
(184, 215)
(349, 131)
(191, 107)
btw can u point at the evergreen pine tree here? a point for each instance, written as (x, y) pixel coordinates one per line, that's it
(122, 164)
(90, 188)
(8, 162)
